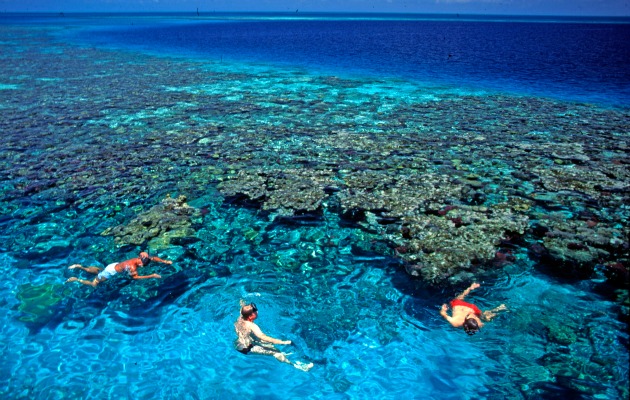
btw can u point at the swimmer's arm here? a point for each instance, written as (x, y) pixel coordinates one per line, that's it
(135, 275)
(260, 335)
(158, 259)
(446, 316)
(466, 292)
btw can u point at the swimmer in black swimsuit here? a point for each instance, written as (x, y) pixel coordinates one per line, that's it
(252, 340)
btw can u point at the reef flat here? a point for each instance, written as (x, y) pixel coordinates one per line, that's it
(451, 181)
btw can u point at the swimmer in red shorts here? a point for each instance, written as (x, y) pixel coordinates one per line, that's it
(466, 314)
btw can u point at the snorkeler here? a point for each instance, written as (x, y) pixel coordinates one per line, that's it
(130, 266)
(468, 315)
(252, 340)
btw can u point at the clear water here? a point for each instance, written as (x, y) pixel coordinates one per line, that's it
(583, 60)
(95, 137)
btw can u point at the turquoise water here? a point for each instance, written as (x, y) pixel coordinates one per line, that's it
(95, 138)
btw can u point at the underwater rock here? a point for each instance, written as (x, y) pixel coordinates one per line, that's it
(617, 273)
(560, 333)
(164, 224)
(574, 247)
(539, 230)
(474, 198)
(503, 257)
(414, 269)
(578, 179)
(573, 380)
(390, 195)
(578, 263)
(440, 249)
(330, 326)
(572, 152)
(38, 303)
(288, 191)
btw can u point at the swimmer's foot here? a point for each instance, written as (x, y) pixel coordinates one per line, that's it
(72, 279)
(502, 307)
(73, 266)
(303, 366)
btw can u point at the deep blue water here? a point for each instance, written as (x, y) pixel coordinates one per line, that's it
(574, 60)
(103, 116)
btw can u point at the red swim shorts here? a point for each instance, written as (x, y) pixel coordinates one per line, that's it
(458, 302)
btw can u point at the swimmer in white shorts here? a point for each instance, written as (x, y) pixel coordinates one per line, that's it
(130, 266)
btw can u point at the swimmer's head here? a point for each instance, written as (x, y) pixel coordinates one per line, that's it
(471, 326)
(249, 310)
(145, 258)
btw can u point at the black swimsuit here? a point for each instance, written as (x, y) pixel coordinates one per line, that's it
(246, 350)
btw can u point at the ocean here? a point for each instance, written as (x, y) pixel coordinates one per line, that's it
(348, 173)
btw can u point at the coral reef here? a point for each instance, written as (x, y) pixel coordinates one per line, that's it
(575, 246)
(171, 221)
(458, 243)
(445, 179)
(286, 191)
(447, 203)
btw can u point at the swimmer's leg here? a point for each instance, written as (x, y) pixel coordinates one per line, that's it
(280, 356)
(91, 270)
(267, 350)
(270, 351)
(93, 283)
(488, 315)
(303, 366)
(298, 364)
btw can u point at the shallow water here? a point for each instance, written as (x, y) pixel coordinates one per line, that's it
(95, 137)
